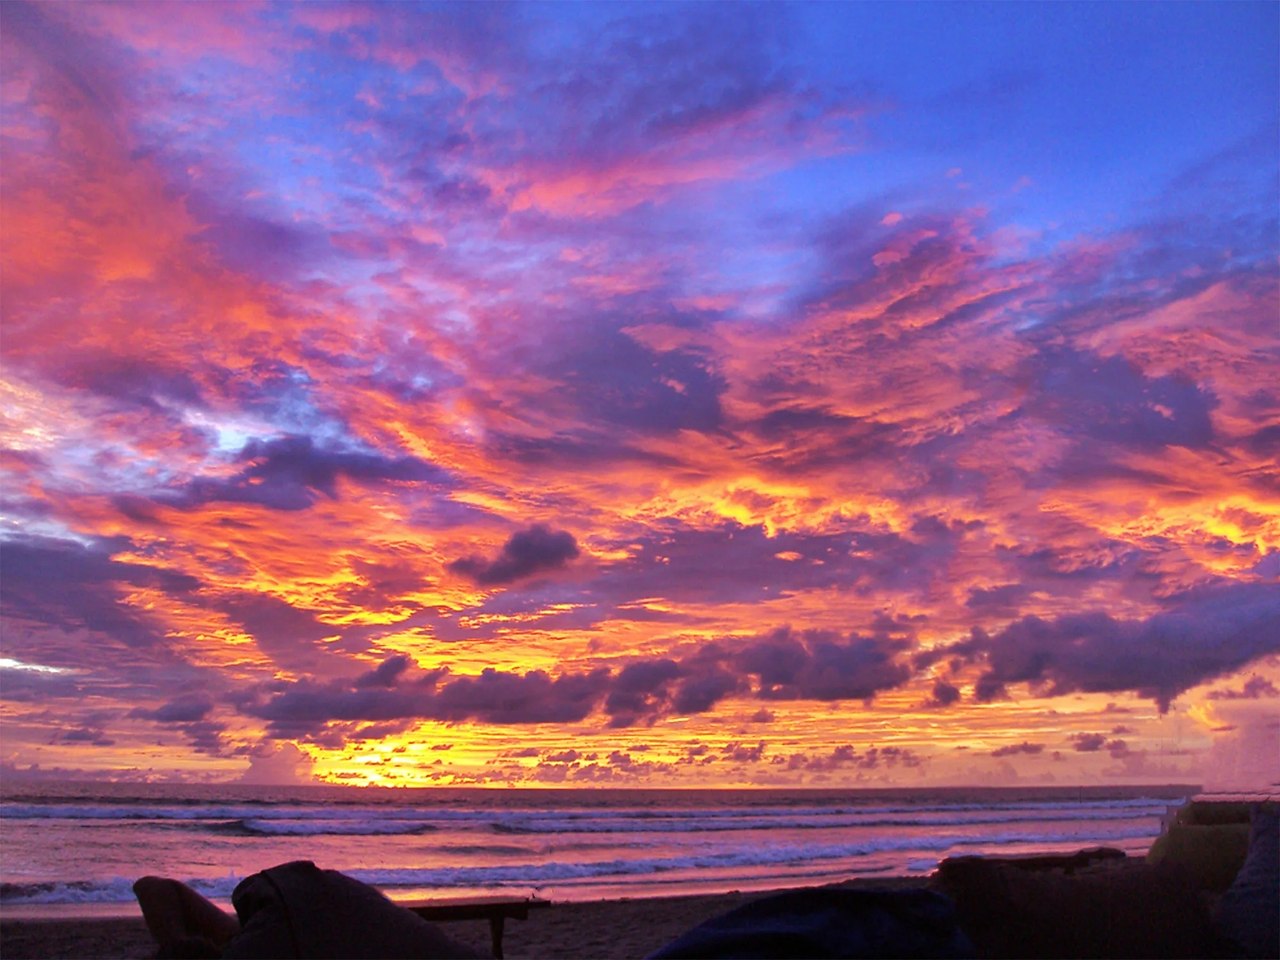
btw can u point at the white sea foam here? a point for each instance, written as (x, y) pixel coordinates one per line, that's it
(366, 820)
(547, 872)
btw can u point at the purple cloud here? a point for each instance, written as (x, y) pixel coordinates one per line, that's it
(70, 586)
(537, 549)
(286, 473)
(1013, 749)
(1254, 688)
(1211, 632)
(943, 694)
(187, 708)
(818, 665)
(305, 708)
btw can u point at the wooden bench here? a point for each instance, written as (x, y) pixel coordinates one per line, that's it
(494, 909)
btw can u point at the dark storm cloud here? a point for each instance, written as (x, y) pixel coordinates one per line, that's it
(1109, 399)
(205, 736)
(583, 448)
(136, 381)
(725, 564)
(183, 709)
(1095, 742)
(1254, 688)
(187, 714)
(1013, 749)
(92, 736)
(743, 752)
(987, 688)
(618, 382)
(1004, 597)
(385, 674)
(1266, 442)
(287, 473)
(785, 665)
(1062, 569)
(72, 586)
(733, 563)
(700, 692)
(306, 705)
(36, 686)
(533, 550)
(1088, 742)
(1208, 633)
(819, 665)
(943, 694)
(640, 689)
(303, 708)
(647, 689)
(534, 697)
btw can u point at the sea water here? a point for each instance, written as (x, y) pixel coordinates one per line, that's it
(85, 844)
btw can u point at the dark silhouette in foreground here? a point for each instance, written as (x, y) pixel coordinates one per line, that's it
(292, 910)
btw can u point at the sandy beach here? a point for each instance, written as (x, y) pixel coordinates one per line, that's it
(607, 930)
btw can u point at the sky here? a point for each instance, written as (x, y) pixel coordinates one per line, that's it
(833, 395)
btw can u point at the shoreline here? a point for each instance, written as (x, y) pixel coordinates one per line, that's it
(615, 929)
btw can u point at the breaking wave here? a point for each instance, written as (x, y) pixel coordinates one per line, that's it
(525, 875)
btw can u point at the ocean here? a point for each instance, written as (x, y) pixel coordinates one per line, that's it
(85, 844)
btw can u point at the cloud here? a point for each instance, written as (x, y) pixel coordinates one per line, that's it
(534, 697)
(785, 665)
(743, 752)
(708, 560)
(384, 674)
(187, 708)
(1208, 633)
(943, 695)
(90, 735)
(188, 714)
(705, 113)
(618, 383)
(72, 586)
(286, 474)
(819, 665)
(846, 756)
(1254, 688)
(1110, 399)
(1012, 749)
(647, 689)
(641, 689)
(393, 692)
(536, 549)
(781, 665)
(700, 693)
(1007, 596)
